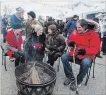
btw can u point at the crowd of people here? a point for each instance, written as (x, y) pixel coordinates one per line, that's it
(75, 38)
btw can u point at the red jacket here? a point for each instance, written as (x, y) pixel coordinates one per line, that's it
(12, 41)
(90, 41)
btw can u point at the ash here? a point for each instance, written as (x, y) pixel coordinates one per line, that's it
(43, 76)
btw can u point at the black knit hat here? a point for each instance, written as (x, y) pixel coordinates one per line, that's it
(75, 16)
(32, 14)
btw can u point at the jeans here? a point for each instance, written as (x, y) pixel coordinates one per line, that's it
(53, 58)
(84, 66)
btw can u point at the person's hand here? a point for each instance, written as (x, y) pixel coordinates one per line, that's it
(20, 53)
(47, 50)
(81, 51)
(71, 44)
(33, 25)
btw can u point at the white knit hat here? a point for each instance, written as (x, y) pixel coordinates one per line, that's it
(38, 27)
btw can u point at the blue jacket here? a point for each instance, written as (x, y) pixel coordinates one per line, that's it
(15, 21)
(4, 23)
(71, 25)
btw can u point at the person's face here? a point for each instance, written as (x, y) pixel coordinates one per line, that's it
(49, 31)
(39, 32)
(18, 31)
(21, 14)
(8, 20)
(76, 18)
(29, 17)
(80, 29)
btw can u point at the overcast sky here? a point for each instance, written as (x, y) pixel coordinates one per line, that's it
(50, 7)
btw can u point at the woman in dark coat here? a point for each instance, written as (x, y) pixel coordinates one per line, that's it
(55, 44)
(34, 45)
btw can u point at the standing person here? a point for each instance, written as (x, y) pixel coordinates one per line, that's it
(17, 19)
(34, 45)
(55, 44)
(14, 44)
(28, 24)
(31, 21)
(99, 32)
(41, 21)
(104, 41)
(4, 23)
(71, 25)
(86, 44)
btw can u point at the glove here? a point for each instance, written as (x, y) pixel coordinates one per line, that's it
(52, 53)
(20, 53)
(16, 55)
(71, 44)
(81, 52)
(37, 45)
(53, 47)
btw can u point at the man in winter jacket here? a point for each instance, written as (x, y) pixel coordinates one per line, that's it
(85, 44)
(14, 43)
(16, 19)
(55, 44)
(71, 25)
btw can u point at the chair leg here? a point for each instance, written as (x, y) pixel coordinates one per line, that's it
(58, 65)
(5, 63)
(93, 70)
(88, 75)
(2, 57)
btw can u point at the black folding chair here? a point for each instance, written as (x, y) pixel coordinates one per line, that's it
(88, 74)
(4, 58)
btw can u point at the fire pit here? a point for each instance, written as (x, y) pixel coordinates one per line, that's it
(47, 77)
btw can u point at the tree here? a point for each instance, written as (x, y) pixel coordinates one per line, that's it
(7, 10)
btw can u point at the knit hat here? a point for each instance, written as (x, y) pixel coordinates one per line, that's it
(75, 16)
(38, 27)
(19, 9)
(17, 26)
(32, 14)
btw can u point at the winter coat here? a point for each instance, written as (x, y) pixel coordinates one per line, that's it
(89, 41)
(4, 24)
(55, 43)
(34, 47)
(13, 42)
(29, 30)
(14, 20)
(71, 26)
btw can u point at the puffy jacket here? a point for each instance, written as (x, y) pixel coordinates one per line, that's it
(55, 42)
(89, 41)
(13, 42)
(15, 21)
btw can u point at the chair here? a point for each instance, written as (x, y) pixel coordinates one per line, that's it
(4, 58)
(88, 74)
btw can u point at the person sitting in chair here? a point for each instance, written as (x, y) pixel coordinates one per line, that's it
(85, 44)
(14, 44)
(55, 44)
